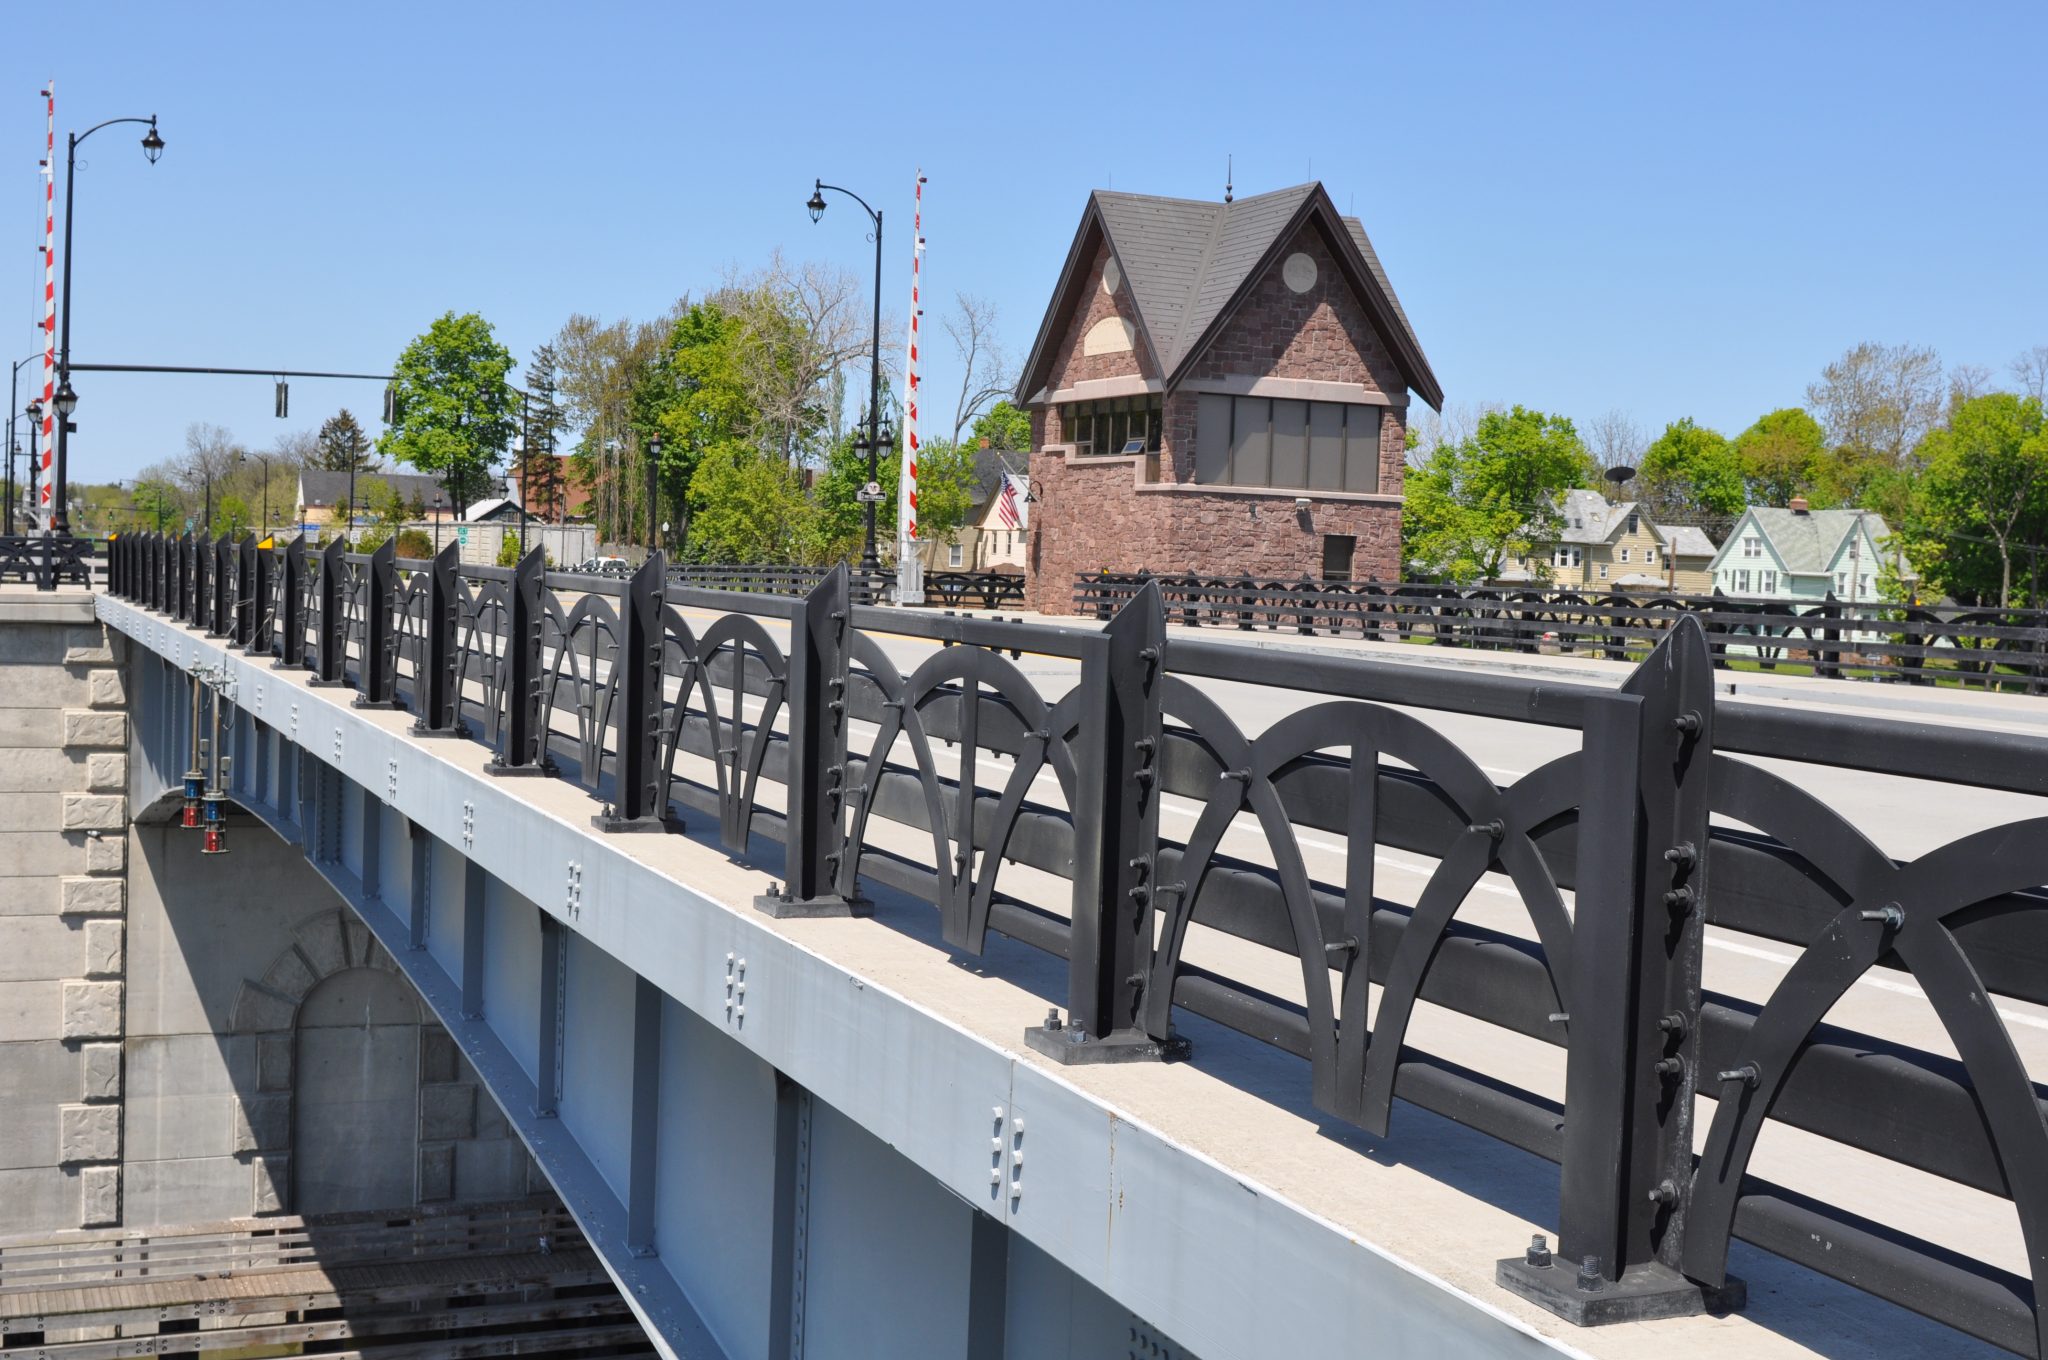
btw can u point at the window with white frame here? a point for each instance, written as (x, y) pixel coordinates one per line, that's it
(1770, 581)
(1632, 523)
(1624, 554)
(1566, 557)
(1841, 582)
(1752, 546)
(1603, 571)
(956, 555)
(1650, 556)
(1742, 581)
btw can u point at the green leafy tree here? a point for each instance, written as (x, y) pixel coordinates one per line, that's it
(1986, 479)
(1475, 503)
(841, 518)
(454, 413)
(159, 506)
(386, 511)
(1691, 476)
(946, 490)
(1007, 429)
(541, 481)
(748, 507)
(342, 445)
(1785, 454)
(694, 395)
(231, 516)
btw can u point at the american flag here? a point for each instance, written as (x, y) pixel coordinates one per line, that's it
(1006, 505)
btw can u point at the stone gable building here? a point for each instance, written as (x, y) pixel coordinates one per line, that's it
(1219, 388)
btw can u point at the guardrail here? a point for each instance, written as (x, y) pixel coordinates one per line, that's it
(992, 589)
(1658, 821)
(47, 562)
(1912, 643)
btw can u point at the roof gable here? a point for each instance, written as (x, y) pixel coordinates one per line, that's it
(1188, 265)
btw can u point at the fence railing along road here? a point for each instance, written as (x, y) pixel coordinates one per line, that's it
(1914, 643)
(1658, 820)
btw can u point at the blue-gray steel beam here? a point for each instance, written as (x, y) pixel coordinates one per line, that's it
(475, 891)
(420, 903)
(645, 1116)
(547, 1085)
(373, 844)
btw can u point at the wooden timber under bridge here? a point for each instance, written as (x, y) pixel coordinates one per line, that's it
(449, 1283)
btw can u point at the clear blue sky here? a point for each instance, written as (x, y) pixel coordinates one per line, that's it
(1673, 210)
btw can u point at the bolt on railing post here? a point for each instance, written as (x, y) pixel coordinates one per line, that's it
(525, 748)
(330, 619)
(819, 631)
(261, 584)
(1116, 841)
(437, 689)
(1634, 1005)
(377, 683)
(640, 798)
(223, 612)
(292, 605)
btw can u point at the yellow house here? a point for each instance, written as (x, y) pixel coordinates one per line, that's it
(1608, 547)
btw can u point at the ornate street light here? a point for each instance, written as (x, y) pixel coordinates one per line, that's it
(67, 400)
(870, 563)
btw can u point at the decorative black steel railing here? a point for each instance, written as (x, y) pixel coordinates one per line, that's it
(991, 589)
(1833, 638)
(46, 563)
(1656, 819)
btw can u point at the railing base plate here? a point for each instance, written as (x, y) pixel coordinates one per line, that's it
(1124, 1046)
(1643, 1293)
(650, 823)
(784, 908)
(383, 705)
(503, 771)
(459, 730)
(317, 683)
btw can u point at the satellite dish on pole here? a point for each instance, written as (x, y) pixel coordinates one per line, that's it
(1619, 473)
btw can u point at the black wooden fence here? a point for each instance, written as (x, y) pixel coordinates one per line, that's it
(1912, 643)
(1658, 820)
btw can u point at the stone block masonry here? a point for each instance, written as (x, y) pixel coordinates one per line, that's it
(64, 734)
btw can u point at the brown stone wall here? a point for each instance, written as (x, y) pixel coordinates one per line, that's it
(1072, 366)
(1096, 514)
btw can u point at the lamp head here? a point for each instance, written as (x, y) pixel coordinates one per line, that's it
(67, 401)
(152, 143)
(817, 203)
(35, 410)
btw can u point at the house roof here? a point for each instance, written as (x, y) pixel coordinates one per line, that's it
(1687, 540)
(1590, 517)
(490, 506)
(331, 488)
(1189, 263)
(1808, 542)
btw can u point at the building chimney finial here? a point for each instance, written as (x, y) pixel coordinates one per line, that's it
(1797, 505)
(1228, 175)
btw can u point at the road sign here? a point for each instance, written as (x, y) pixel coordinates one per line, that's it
(871, 492)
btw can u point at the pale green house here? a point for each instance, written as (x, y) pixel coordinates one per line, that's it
(1795, 553)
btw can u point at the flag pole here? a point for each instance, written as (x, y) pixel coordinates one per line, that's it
(909, 570)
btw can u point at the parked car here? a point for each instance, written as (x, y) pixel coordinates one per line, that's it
(604, 566)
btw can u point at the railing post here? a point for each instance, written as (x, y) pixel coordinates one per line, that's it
(817, 755)
(641, 798)
(242, 622)
(291, 649)
(1116, 840)
(262, 617)
(185, 557)
(377, 684)
(525, 751)
(437, 694)
(202, 584)
(223, 587)
(330, 621)
(1634, 1004)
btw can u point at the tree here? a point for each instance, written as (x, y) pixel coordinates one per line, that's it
(1784, 454)
(1692, 476)
(1007, 429)
(602, 366)
(1615, 440)
(342, 445)
(694, 395)
(1876, 402)
(1475, 503)
(539, 466)
(747, 506)
(158, 505)
(800, 326)
(211, 456)
(452, 410)
(1986, 474)
(2030, 371)
(231, 516)
(946, 489)
(985, 373)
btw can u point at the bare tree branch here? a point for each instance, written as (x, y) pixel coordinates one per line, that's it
(1615, 440)
(985, 372)
(2030, 371)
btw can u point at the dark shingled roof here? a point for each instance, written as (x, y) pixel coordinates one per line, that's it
(1188, 263)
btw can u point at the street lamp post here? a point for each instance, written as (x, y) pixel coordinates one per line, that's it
(14, 440)
(67, 400)
(263, 460)
(35, 425)
(870, 564)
